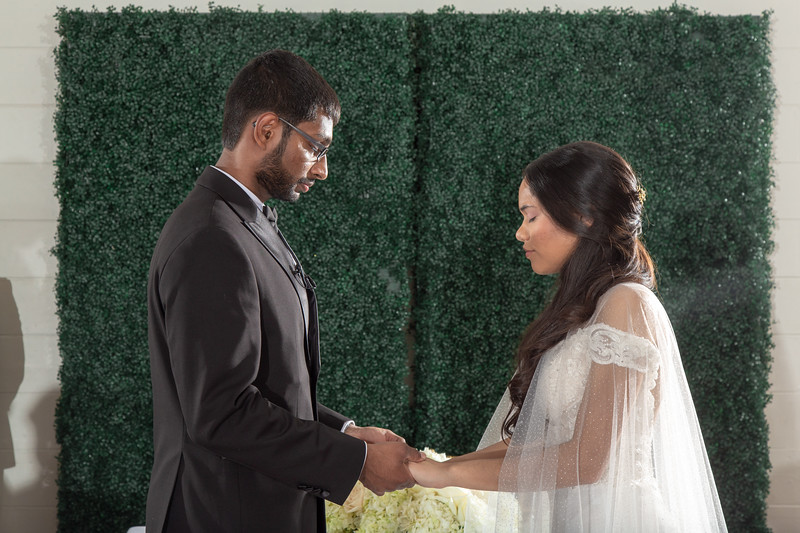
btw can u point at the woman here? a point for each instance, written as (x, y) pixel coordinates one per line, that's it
(597, 430)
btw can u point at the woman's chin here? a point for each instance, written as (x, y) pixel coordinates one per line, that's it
(542, 271)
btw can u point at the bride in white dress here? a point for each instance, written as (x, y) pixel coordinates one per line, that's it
(597, 431)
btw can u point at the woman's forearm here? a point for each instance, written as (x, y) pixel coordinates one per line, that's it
(495, 450)
(480, 472)
(477, 470)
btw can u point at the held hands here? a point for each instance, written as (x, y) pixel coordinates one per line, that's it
(430, 473)
(386, 467)
(388, 456)
(391, 465)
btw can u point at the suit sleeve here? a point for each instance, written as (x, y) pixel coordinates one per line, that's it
(210, 301)
(331, 418)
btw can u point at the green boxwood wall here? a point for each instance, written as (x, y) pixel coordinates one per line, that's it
(411, 238)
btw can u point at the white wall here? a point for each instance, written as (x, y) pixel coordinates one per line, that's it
(28, 212)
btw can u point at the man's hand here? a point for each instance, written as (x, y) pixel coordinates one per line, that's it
(373, 434)
(386, 467)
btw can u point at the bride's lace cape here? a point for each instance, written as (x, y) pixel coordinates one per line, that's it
(607, 438)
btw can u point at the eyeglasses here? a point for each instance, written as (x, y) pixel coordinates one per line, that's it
(317, 148)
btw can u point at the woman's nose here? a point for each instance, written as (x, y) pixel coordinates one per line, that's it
(520, 234)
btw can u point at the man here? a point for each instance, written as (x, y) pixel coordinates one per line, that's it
(240, 442)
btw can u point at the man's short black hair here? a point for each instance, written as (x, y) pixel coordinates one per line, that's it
(280, 82)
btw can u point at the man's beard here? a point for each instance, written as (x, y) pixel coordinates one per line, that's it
(278, 182)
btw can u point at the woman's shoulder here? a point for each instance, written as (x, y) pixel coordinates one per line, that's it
(629, 307)
(628, 291)
(629, 296)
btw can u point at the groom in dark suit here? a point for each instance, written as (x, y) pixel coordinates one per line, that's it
(240, 442)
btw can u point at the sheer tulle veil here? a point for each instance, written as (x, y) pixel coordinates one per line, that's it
(607, 439)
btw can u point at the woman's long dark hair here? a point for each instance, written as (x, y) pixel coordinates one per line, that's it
(592, 192)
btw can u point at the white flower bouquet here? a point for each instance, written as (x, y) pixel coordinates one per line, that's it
(414, 510)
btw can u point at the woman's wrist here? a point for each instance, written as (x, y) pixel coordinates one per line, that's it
(445, 477)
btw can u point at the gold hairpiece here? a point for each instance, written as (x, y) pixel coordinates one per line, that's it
(642, 194)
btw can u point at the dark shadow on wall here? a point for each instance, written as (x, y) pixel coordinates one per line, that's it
(34, 503)
(12, 364)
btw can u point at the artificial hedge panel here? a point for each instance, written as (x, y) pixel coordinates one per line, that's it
(139, 115)
(411, 239)
(688, 100)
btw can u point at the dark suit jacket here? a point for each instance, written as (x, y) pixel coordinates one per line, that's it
(240, 442)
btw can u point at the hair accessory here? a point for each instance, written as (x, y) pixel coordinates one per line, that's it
(642, 193)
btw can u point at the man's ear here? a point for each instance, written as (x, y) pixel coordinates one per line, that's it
(266, 129)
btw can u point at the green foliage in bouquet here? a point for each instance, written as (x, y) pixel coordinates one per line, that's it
(414, 510)
(411, 239)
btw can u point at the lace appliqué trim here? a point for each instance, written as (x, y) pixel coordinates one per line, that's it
(608, 345)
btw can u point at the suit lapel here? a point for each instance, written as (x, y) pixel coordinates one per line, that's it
(270, 240)
(257, 224)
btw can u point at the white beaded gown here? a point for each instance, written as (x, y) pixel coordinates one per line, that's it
(607, 439)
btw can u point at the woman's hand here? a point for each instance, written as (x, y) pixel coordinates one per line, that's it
(430, 473)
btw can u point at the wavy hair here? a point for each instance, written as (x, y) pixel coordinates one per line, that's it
(576, 183)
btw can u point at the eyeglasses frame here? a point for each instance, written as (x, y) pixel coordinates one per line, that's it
(320, 150)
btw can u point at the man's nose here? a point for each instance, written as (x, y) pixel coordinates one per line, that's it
(320, 169)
